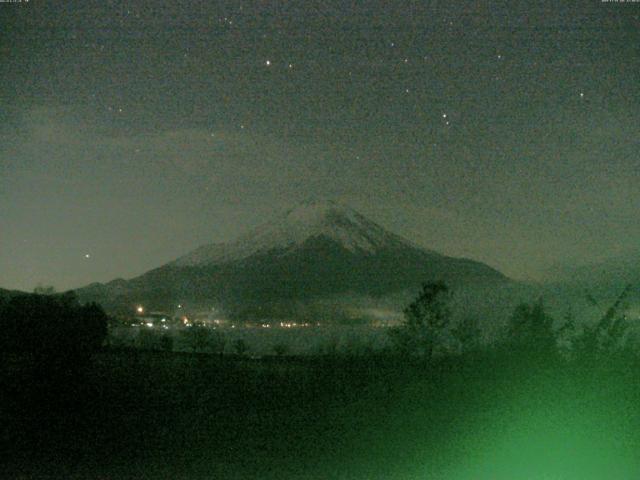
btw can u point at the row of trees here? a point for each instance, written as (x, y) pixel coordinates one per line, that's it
(428, 329)
(49, 326)
(530, 330)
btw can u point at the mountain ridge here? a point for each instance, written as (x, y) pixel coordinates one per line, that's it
(330, 219)
(309, 253)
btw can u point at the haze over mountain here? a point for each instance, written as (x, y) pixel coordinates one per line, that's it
(314, 252)
(604, 279)
(614, 269)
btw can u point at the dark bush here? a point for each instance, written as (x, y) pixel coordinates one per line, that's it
(53, 329)
(530, 331)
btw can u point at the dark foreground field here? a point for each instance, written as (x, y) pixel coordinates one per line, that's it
(153, 415)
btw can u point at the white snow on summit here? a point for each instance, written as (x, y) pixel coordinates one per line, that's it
(309, 220)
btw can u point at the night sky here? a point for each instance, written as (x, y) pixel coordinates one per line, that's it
(132, 132)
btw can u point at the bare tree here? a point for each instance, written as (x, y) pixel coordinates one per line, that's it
(608, 334)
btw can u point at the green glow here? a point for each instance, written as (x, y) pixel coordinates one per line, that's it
(546, 432)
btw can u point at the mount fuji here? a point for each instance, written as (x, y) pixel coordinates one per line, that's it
(330, 221)
(314, 252)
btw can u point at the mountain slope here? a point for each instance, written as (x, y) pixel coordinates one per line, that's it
(313, 252)
(328, 220)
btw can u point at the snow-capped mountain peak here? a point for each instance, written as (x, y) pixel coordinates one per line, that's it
(327, 219)
(316, 252)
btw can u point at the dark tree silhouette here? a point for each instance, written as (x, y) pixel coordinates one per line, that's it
(53, 330)
(425, 321)
(280, 349)
(203, 339)
(467, 333)
(240, 346)
(530, 331)
(44, 290)
(166, 343)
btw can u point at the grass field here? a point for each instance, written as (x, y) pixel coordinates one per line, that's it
(134, 414)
